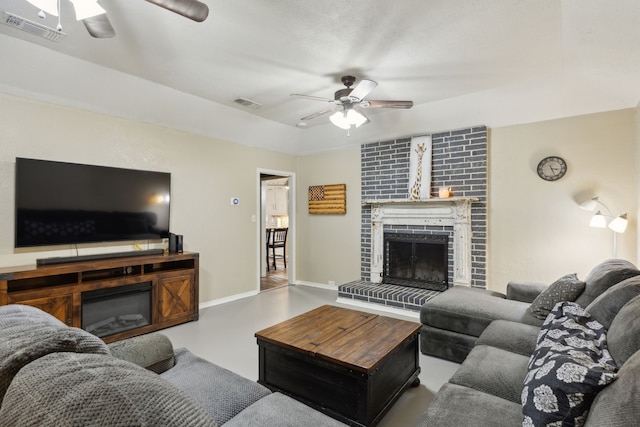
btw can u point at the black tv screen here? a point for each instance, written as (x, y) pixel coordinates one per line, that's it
(67, 203)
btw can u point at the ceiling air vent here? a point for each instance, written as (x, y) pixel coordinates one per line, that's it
(31, 27)
(247, 103)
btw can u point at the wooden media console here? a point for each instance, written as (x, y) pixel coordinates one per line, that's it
(170, 281)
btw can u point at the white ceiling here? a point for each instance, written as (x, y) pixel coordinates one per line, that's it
(462, 62)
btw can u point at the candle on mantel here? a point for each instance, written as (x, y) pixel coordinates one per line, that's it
(444, 192)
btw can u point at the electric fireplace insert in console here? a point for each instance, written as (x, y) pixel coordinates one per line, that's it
(110, 311)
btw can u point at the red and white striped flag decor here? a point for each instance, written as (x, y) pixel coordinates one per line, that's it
(328, 199)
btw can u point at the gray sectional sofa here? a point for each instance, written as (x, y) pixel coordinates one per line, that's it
(578, 366)
(53, 375)
(453, 320)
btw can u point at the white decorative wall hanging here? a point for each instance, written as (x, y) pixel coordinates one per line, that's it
(420, 168)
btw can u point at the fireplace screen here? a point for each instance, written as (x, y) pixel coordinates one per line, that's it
(416, 260)
(113, 310)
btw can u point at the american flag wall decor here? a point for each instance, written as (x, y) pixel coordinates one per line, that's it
(328, 199)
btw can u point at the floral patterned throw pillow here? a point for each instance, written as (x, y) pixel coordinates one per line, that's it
(569, 366)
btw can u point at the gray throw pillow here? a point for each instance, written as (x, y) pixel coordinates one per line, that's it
(74, 389)
(566, 288)
(27, 334)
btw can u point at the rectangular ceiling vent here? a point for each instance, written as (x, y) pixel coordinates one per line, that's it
(247, 103)
(31, 27)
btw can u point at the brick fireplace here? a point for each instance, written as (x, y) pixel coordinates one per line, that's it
(418, 260)
(459, 161)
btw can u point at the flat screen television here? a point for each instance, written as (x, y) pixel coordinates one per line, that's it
(66, 203)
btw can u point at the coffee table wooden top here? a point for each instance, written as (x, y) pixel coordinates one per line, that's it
(352, 338)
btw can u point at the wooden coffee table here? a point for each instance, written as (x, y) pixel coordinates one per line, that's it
(349, 364)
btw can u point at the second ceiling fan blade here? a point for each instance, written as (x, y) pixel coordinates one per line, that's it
(319, 113)
(192, 9)
(386, 104)
(314, 98)
(99, 26)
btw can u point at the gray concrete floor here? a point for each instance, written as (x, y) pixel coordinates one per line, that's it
(224, 335)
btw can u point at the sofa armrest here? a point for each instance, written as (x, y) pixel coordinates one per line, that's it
(152, 351)
(524, 291)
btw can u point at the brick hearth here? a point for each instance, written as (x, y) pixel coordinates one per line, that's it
(390, 295)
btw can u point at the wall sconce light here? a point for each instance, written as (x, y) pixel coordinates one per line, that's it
(598, 220)
(618, 223)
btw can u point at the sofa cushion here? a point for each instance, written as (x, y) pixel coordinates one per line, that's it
(282, 411)
(222, 393)
(566, 288)
(469, 311)
(449, 345)
(460, 406)
(17, 314)
(72, 389)
(623, 337)
(605, 307)
(569, 366)
(511, 336)
(151, 351)
(603, 276)
(525, 291)
(494, 371)
(618, 404)
(27, 333)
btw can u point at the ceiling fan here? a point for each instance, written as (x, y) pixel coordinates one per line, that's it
(348, 104)
(95, 17)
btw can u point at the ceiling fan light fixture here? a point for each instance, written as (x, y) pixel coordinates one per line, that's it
(355, 118)
(348, 117)
(49, 6)
(339, 118)
(87, 9)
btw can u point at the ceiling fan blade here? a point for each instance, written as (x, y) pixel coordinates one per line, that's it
(315, 98)
(319, 113)
(362, 89)
(99, 26)
(192, 9)
(386, 104)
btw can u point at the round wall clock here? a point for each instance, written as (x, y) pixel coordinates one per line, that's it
(552, 168)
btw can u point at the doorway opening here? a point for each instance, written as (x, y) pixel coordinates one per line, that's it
(276, 234)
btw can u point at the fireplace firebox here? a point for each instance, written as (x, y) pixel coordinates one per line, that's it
(417, 260)
(112, 310)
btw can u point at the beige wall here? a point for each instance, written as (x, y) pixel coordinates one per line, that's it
(206, 174)
(328, 246)
(636, 171)
(537, 230)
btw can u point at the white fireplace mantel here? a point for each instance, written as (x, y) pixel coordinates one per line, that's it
(453, 212)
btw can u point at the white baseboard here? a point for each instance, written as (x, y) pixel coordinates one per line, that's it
(224, 300)
(316, 285)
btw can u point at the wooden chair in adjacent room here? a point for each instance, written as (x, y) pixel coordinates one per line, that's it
(278, 241)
